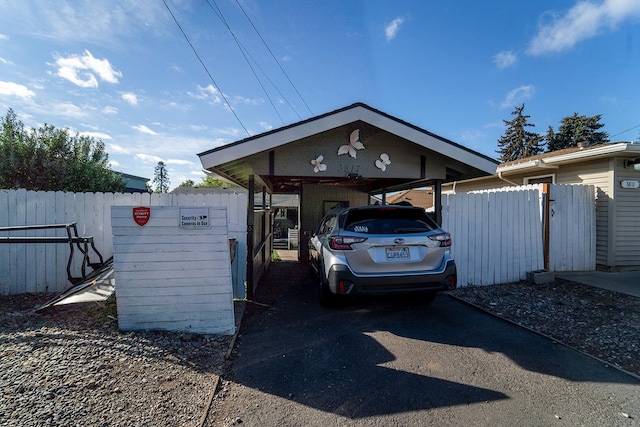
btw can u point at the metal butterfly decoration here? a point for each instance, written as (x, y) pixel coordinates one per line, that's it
(353, 145)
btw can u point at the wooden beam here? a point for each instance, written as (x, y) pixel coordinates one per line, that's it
(250, 243)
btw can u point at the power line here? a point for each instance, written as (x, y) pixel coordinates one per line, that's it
(205, 68)
(218, 12)
(626, 130)
(273, 56)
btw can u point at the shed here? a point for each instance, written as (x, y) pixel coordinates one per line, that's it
(614, 171)
(344, 156)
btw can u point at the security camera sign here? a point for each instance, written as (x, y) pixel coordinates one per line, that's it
(194, 218)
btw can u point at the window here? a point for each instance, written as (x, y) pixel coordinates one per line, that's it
(542, 179)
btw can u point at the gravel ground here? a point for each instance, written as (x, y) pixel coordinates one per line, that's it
(71, 366)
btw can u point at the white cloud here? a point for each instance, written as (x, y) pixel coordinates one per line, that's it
(96, 135)
(130, 98)
(265, 125)
(207, 92)
(82, 70)
(113, 164)
(518, 96)
(392, 29)
(586, 19)
(110, 110)
(15, 89)
(115, 148)
(179, 162)
(505, 59)
(144, 129)
(71, 111)
(5, 61)
(88, 21)
(4, 37)
(148, 158)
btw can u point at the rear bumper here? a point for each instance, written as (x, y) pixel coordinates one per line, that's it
(343, 281)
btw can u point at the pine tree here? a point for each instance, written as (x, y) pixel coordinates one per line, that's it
(161, 178)
(517, 142)
(576, 128)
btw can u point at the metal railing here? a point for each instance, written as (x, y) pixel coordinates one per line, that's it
(83, 243)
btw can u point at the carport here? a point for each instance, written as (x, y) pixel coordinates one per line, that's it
(344, 156)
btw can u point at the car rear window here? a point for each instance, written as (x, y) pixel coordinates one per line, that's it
(388, 221)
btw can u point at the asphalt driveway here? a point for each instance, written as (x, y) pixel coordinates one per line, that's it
(391, 361)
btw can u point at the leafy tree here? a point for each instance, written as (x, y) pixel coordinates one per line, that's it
(517, 142)
(52, 159)
(161, 178)
(188, 183)
(209, 181)
(574, 129)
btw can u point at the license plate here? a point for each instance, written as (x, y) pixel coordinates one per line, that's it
(397, 253)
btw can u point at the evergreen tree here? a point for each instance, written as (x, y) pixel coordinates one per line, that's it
(161, 178)
(517, 142)
(576, 128)
(51, 159)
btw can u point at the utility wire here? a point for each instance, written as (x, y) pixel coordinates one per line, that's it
(626, 130)
(245, 50)
(205, 68)
(273, 56)
(218, 12)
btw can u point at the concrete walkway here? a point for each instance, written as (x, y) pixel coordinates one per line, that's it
(625, 282)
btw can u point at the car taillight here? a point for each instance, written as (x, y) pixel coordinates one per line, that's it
(342, 243)
(443, 238)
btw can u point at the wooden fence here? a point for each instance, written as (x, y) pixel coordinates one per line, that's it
(499, 235)
(42, 267)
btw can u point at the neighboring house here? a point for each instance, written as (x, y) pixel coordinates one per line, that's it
(416, 196)
(134, 184)
(614, 171)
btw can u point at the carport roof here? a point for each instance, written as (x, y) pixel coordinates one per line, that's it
(235, 161)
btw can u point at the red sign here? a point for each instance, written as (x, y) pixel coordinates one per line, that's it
(141, 215)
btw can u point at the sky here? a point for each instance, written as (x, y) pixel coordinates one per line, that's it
(163, 80)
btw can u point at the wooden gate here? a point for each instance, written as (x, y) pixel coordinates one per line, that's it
(499, 235)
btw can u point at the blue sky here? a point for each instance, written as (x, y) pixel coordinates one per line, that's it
(123, 72)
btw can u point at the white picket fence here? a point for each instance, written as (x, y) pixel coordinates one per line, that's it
(42, 267)
(498, 234)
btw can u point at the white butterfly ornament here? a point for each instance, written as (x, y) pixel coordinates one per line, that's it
(383, 162)
(354, 144)
(318, 166)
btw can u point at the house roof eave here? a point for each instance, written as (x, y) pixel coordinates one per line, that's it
(554, 162)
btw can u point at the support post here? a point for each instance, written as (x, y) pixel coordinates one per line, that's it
(546, 200)
(250, 243)
(437, 201)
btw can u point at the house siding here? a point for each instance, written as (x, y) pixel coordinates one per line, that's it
(596, 173)
(626, 228)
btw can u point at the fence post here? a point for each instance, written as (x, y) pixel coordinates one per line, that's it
(546, 196)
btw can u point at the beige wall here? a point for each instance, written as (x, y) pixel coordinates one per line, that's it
(626, 222)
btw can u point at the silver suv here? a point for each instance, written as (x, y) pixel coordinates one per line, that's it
(381, 249)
